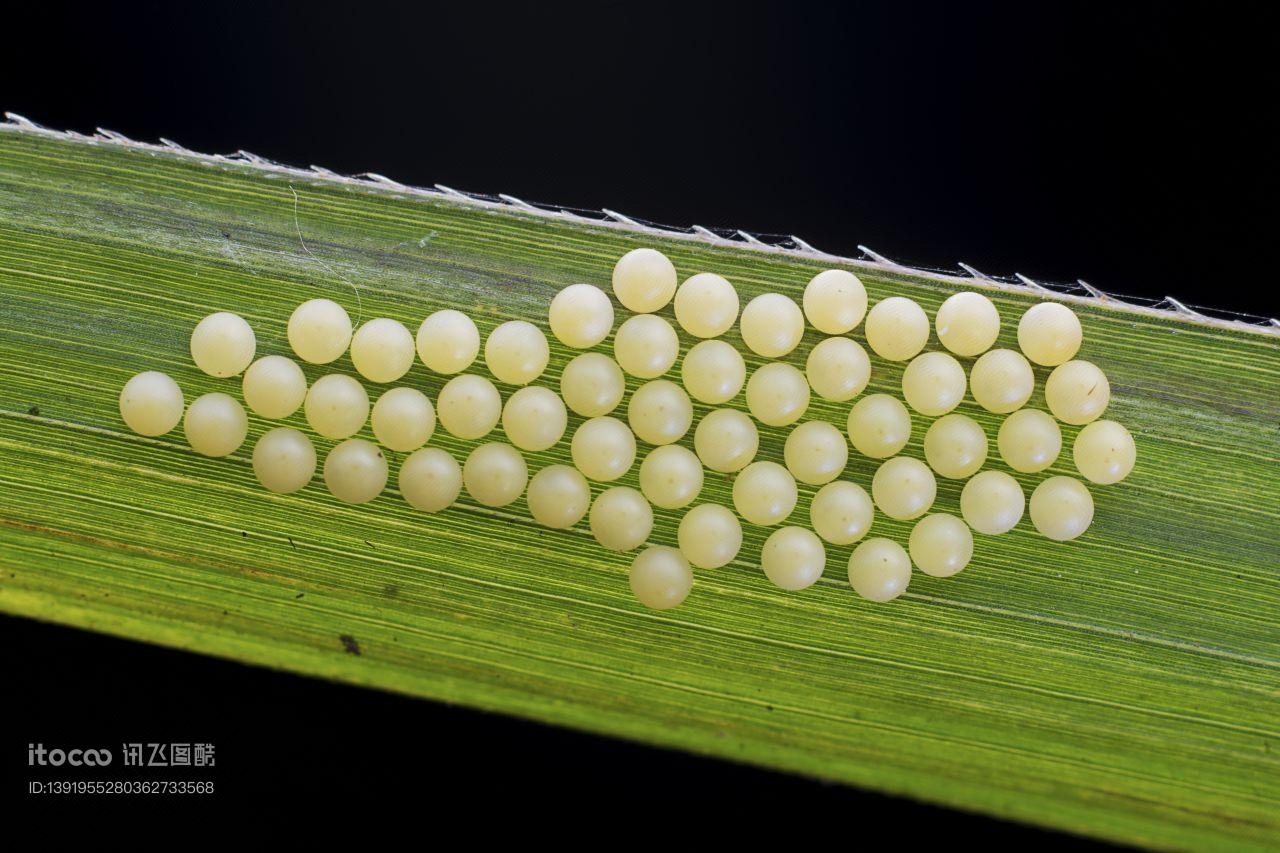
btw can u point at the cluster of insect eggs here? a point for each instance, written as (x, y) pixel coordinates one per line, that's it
(660, 413)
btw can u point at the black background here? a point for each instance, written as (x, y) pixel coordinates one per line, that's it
(1063, 141)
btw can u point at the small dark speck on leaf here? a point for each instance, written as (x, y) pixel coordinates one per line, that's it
(34, 411)
(391, 590)
(349, 644)
(291, 545)
(370, 544)
(226, 234)
(244, 533)
(299, 595)
(224, 613)
(768, 707)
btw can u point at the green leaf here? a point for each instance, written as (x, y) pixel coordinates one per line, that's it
(1124, 685)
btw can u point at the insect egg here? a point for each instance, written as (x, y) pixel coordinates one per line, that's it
(967, 323)
(816, 453)
(671, 476)
(793, 558)
(764, 493)
(274, 387)
(879, 570)
(838, 369)
(841, 512)
(215, 425)
(592, 385)
(534, 418)
(896, 328)
(336, 406)
(603, 449)
(382, 350)
(879, 426)
(992, 502)
(933, 383)
(151, 403)
(319, 331)
(284, 460)
(1029, 441)
(659, 412)
(1050, 334)
(355, 471)
(941, 545)
(777, 394)
(430, 479)
(403, 419)
(904, 488)
(955, 446)
(835, 302)
(646, 346)
(1104, 452)
(1001, 381)
(726, 440)
(222, 344)
(558, 497)
(710, 536)
(581, 316)
(644, 280)
(469, 406)
(621, 519)
(706, 305)
(516, 352)
(448, 342)
(713, 372)
(495, 474)
(1061, 508)
(1077, 392)
(660, 577)
(771, 325)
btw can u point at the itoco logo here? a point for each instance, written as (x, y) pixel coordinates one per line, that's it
(37, 754)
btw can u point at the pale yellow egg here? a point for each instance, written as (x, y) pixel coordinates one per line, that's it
(816, 453)
(713, 372)
(448, 342)
(841, 512)
(495, 474)
(516, 352)
(382, 350)
(355, 471)
(592, 385)
(793, 558)
(644, 280)
(771, 325)
(897, 328)
(955, 446)
(879, 426)
(710, 536)
(660, 577)
(621, 519)
(879, 570)
(659, 412)
(835, 302)
(726, 440)
(151, 403)
(777, 394)
(469, 406)
(581, 316)
(430, 479)
(1001, 381)
(765, 493)
(1104, 452)
(706, 305)
(603, 449)
(838, 369)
